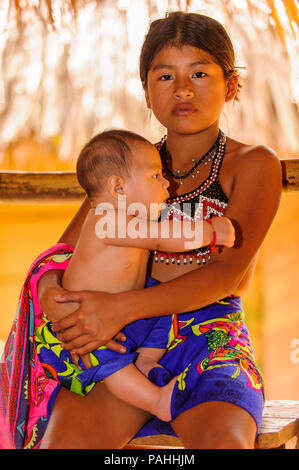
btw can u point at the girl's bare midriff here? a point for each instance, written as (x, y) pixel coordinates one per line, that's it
(164, 273)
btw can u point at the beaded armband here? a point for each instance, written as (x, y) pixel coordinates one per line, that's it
(213, 244)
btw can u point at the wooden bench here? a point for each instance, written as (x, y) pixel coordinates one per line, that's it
(279, 430)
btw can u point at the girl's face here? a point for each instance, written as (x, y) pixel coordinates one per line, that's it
(186, 89)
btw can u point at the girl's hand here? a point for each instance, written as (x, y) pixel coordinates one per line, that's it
(93, 324)
(85, 359)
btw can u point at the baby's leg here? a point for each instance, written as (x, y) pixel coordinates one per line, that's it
(131, 386)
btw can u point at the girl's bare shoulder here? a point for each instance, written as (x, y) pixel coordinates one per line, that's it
(252, 158)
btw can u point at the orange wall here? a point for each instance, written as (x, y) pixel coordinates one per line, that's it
(280, 275)
(26, 230)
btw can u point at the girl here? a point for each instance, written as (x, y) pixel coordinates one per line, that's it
(187, 68)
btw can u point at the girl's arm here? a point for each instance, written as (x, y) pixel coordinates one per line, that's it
(252, 206)
(50, 284)
(72, 232)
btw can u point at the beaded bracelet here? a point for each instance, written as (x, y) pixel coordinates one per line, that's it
(213, 244)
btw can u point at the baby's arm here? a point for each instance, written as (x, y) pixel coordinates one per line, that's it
(172, 236)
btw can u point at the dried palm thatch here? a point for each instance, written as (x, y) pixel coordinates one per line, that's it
(45, 10)
(70, 68)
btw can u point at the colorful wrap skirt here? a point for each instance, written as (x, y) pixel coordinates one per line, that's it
(208, 349)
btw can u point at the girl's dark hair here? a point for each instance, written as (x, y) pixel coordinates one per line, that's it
(105, 154)
(187, 29)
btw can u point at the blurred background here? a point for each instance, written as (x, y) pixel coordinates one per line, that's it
(69, 69)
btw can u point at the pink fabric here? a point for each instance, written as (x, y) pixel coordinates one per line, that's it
(25, 390)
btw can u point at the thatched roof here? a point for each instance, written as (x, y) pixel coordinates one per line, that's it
(70, 68)
(46, 9)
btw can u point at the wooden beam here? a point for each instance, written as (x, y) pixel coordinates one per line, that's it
(290, 174)
(39, 186)
(63, 185)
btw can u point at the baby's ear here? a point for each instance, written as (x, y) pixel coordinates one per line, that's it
(115, 186)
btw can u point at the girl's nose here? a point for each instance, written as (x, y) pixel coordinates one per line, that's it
(184, 91)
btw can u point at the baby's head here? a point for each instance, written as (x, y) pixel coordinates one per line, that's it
(117, 163)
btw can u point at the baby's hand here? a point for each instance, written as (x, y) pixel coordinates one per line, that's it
(225, 232)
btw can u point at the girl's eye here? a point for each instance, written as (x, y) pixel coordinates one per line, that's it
(200, 74)
(156, 176)
(165, 77)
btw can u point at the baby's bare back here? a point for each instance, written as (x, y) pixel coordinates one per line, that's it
(98, 266)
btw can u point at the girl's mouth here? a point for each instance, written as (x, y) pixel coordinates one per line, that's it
(183, 110)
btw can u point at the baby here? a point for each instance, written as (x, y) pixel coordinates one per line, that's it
(121, 173)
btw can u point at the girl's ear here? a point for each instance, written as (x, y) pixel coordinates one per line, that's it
(148, 103)
(115, 186)
(232, 87)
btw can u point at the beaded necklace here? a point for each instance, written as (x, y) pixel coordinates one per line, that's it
(182, 174)
(207, 200)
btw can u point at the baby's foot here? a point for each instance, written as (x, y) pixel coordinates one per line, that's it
(162, 409)
(159, 376)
